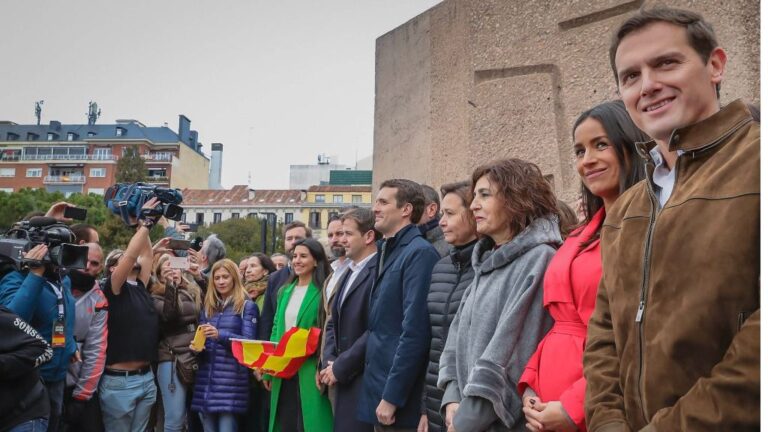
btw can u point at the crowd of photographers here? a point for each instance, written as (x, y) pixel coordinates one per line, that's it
(489, 306)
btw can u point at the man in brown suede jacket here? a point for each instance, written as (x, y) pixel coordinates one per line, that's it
(673, 344)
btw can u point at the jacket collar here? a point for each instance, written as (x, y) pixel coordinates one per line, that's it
(462, 255)
(543, 230)
(706, 133)
(393, 244)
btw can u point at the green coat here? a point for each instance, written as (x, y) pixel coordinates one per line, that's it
(315, 406)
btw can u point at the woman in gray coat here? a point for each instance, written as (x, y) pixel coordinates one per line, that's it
(501, 318)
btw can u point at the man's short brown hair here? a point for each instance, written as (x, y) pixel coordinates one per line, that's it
(298, 224)
(408, 192)
(364, 219)
(701, 34)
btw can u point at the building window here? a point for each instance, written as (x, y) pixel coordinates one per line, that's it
(102, 153)
(34, 172)
(7, 190)
(216, 217)
(357, 199)
(52, 136)
(200, 218)
(98, 172)
(31, 136)
(13, 136)
(319, 198)
(97, 191)
(119, 131)
(338, 199)
(314, 220)
(288, 218)
(252, 215)
(91, 134)
(7, 172)
(235, 215)
(71, 136)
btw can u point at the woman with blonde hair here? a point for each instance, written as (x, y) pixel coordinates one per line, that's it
(221, 387)
(177, 302)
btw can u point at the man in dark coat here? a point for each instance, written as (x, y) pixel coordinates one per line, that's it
(292, 233)
(398, 320)
(430, 220)
(346, 332)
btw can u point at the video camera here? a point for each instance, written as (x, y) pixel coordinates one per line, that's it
(127, 199)
(24, 235)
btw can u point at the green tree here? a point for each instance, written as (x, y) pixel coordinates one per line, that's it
(242, 237)
(131, 167)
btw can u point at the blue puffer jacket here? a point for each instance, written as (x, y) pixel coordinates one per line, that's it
(222, 383)
(32, 298)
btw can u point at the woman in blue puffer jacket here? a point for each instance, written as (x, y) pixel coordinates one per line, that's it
(221, 387)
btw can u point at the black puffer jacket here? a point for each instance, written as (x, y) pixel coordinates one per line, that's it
(450, 278)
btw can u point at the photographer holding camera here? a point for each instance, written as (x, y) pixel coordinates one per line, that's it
(40, 295)
(127, 389)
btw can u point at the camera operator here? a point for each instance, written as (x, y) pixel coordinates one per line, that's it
(39, 295)
(24, 403)
(127, 389)
(81, 401)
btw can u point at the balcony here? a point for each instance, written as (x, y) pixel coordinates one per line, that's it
(159, 157)
(64, 179)
(158, 179)
(83, 157)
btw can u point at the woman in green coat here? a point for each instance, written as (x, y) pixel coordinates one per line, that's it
(297, 403)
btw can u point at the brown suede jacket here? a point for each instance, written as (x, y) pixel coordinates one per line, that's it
(674, 342)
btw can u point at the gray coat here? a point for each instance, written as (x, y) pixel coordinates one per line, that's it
(501, 321)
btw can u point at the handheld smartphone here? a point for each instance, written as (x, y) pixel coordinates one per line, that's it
(176, 244)
(76, 213)
(192, 227)
(179, 263)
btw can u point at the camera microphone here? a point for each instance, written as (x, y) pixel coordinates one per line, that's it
(42, 221)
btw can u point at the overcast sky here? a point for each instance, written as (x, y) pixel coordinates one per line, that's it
(276, 81)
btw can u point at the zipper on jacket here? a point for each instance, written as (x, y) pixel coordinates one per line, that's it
(446, 309)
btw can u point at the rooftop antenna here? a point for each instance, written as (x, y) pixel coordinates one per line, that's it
(39, 110)
(93, 113)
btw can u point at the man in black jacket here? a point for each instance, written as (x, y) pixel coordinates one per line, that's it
(23, 398)
(343, 357)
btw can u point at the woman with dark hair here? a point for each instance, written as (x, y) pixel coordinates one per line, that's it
(450, 278)
(501, 319)
(553, 383)
(177, 301)
(258, 267)
(297, 402)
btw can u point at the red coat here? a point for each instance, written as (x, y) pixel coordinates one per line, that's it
(555, 372)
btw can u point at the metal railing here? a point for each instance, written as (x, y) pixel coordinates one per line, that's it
(92, 157)
(63, 179)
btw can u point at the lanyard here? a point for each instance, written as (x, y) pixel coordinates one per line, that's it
(59, 299)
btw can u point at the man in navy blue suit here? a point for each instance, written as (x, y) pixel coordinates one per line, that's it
(346, 333)
(398, 321)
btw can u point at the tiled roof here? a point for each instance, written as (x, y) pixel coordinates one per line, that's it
(132, 131)
(240, 196)
(333, 188)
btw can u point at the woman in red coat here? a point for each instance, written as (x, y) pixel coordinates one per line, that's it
(553, 384)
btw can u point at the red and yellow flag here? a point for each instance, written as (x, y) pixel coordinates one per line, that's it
(281, 360)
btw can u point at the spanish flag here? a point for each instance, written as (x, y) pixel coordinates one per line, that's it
(281, 360)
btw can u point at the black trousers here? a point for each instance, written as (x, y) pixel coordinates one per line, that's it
(88, 421)
(289, 415)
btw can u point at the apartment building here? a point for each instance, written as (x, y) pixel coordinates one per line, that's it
(82, 158)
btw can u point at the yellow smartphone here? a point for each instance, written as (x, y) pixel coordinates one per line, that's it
(198, 343)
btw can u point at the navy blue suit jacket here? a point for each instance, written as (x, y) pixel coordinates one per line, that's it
(399, 332)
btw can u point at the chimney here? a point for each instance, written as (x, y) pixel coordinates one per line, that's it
(192, 139)
(184, 129)
(214, 178)
(55, 125)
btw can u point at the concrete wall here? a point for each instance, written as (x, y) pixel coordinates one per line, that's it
(471, 81)
(189, 170)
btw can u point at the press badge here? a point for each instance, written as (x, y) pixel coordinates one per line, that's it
(58, 340)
